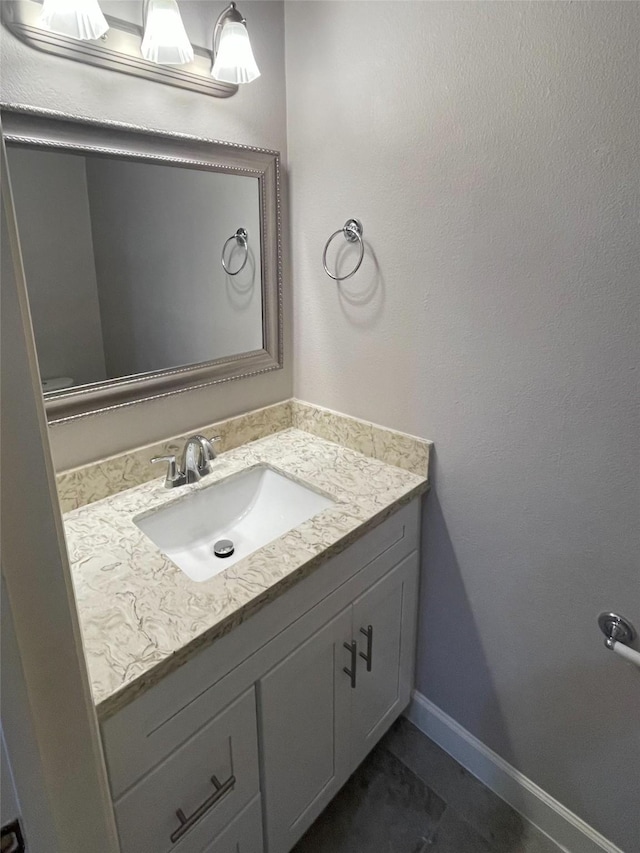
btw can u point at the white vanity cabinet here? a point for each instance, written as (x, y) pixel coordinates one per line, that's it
(240, 749)
(326, 704)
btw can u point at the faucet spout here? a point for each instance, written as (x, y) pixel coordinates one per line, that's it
(197, 456)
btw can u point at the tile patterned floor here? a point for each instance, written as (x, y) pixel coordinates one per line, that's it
(411, 797)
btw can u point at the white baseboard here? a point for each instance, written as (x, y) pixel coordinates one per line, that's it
(565, 828)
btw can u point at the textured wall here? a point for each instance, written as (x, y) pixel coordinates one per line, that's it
(492, 151)
(255, 116)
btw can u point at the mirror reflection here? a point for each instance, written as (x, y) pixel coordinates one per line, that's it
(124, 264)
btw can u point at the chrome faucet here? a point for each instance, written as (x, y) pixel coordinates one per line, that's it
(197, 456)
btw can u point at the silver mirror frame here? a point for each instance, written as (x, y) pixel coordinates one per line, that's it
(51, 129)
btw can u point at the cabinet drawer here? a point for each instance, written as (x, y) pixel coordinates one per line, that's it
(225, 748)
(244, 834)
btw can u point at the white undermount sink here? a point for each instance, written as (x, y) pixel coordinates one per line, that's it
(250, 508)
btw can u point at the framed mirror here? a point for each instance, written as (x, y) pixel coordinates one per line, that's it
(153, 261)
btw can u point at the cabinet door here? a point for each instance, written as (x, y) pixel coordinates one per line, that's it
(384, 628)
(305, 710)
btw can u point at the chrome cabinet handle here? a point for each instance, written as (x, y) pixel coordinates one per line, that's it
(187, 822)
(353, 648)
(368, 656)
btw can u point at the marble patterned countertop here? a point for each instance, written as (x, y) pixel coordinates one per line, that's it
(142, 617)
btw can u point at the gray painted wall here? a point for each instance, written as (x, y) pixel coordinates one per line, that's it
(57, 253)
(492, 151)
(255, 116)
(158, 232)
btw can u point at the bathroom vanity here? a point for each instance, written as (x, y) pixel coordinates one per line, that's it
(237, 683)
(250, 636)
(278, 713)
(232, 710)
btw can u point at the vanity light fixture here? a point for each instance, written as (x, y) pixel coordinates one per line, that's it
(233, 60)
(165, 39)
(78, 19)
(158, 50)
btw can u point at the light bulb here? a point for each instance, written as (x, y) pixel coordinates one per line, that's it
(78, 19)
(165, 39)
(234, 62)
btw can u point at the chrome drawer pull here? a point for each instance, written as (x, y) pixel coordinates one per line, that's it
(368, 657)
(187, 822)
(353, 648)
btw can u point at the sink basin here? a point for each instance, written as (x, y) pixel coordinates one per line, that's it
(251, 509)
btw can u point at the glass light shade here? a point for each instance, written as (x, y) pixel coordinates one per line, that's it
(165, 39)
(78, 19)
(234, 61)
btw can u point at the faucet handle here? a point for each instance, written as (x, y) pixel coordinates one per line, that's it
(208, 452)
(207, 444)
(210, 449)
(173, 478)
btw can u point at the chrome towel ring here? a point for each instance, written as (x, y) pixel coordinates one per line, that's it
(352, 231)
(242, 239)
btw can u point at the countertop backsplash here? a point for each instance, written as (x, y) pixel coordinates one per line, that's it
(80, 486)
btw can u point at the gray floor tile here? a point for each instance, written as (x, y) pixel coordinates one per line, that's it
(455, 835)
(383, 808)
(501, 826)
(534, 841)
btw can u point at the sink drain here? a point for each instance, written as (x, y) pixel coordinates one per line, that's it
(223, 548)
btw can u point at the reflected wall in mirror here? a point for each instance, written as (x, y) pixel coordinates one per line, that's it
(123, 264)
(150, 268)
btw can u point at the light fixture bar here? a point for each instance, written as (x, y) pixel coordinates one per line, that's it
(118, 50)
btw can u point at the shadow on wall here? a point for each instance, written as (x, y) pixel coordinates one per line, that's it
(365, 289)
(447, 631)
(240, 285)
